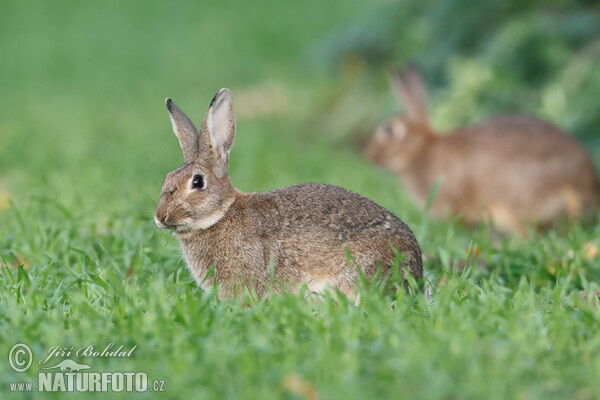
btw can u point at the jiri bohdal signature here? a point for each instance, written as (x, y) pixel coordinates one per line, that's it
(88, 351)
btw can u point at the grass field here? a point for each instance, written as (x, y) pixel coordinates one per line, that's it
(85, 142)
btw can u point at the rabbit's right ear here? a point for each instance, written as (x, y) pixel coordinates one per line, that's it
(218, 129)
(410, 89)
(185, 131)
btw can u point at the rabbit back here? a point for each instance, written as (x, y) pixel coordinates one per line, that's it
(513, 168)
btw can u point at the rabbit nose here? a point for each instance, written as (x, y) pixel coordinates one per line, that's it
(161, 222)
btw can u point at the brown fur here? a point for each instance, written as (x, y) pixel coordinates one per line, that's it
(287, 237)
(514, 169)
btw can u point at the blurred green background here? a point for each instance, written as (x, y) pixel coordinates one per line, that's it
(85, 143)
(83, 84)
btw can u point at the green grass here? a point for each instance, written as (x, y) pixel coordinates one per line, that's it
(85, 143)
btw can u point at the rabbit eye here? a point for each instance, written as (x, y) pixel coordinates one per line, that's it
(389, 130)
(395, 129)
(386, 132)
(198, 182)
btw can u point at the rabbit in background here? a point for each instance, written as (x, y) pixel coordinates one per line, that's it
(513, 169)
(296, 235)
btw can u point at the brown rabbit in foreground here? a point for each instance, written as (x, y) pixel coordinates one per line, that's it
(516, 170)
(290, 236)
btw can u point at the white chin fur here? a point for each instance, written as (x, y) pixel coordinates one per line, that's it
(199, 224)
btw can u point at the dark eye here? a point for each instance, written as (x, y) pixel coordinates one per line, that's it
(198, 182)
(389, 130)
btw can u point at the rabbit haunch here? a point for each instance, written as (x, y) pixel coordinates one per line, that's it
(289, 236)
(514, 169)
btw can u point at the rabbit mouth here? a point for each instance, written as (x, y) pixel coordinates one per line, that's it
(190, 223)
(160, 223)
(177, 228)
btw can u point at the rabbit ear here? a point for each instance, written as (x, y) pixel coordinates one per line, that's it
(185, 131)
(218, 129)
(410, 89)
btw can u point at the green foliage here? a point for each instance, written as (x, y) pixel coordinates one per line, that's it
(85, 143)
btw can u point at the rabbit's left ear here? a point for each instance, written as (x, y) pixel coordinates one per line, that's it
(185, 131)
(410, 90)
(218, 128)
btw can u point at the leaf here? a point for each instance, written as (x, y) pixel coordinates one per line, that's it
(22, 275)
(433, 193)
(99, 281)
(87, 259)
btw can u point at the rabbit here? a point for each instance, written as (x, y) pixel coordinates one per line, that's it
(514, 170)
(285, 238)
